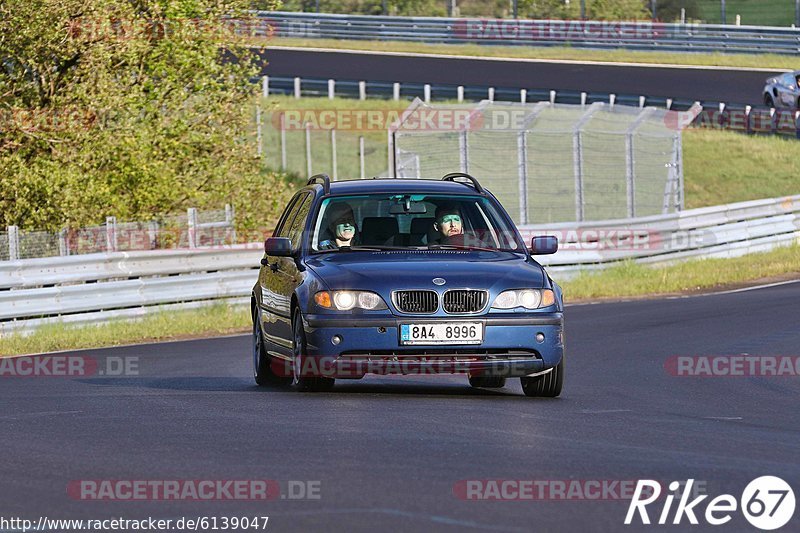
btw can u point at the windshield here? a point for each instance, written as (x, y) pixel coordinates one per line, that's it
(411, 221)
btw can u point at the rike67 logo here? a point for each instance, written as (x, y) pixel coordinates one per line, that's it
(767, 503)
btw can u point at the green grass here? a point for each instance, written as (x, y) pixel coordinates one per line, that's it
(773, 61)
(753, 12)
(722, 167)
(632, 279)
(212, 320)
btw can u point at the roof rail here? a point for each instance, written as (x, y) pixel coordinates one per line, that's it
(453, 175)
(325, 180)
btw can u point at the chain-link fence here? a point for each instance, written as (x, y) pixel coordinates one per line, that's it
(194, 229)
(550, 162)
(307, 149)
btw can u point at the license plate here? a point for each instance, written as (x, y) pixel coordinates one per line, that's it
(444, 333)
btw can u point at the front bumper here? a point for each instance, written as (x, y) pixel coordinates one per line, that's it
(370, 345)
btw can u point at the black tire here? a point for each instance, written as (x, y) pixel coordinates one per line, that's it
(262, 361)
(547, 385)
(487, 382)
(304, 383)
(768, 101)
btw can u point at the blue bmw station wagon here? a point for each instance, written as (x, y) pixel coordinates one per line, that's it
(405, 276)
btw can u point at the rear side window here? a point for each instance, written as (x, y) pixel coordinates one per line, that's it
(295, 230)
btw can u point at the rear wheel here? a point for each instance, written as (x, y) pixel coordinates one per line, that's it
(304, 383)
(486, 382)
(547, 385)
(262, 361)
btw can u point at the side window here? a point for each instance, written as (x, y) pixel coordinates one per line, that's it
(288, 215)
(295, 231)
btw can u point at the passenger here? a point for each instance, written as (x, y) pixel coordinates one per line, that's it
(341, 228)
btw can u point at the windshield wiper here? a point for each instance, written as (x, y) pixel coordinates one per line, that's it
(464, 247)
(373, 248)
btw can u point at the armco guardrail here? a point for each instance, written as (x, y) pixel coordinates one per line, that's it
(711, 232)
(98, 287)
(634, 35)
(738, 117)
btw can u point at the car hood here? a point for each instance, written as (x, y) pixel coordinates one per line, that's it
(386, 271)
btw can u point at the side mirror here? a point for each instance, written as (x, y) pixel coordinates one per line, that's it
(278, 246)
(544, 245)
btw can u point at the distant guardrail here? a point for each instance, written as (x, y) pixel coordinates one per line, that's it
(731, 116)
(98, 287)
(633, 35)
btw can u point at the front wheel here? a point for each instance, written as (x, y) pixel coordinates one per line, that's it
(768, 101)
(263, 373)
(304, 383)
(547, 385)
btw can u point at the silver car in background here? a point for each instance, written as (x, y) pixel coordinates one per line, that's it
(782, 91)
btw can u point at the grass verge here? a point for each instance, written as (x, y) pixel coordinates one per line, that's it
(772, 61)
(626, 280)
(631, 279)
(209, 321)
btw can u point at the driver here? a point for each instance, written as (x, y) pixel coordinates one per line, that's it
(342, 226)
(449, 223)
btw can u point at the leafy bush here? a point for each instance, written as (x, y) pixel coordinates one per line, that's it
(124, 108)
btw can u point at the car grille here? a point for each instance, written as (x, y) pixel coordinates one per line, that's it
(416, 301)
(464, 301)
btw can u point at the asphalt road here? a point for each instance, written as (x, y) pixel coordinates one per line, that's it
(387, 452)
(739, 86)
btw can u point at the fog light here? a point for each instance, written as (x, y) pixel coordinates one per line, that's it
(540, 337)
(336, 340)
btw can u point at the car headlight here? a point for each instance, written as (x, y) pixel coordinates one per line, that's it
(346, 300)
(527, 298)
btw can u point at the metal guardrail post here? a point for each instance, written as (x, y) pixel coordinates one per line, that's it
(265, 86)
(111, 234)
(308, 149)
(259, 133)
(333, 155)
(13, 243)
(463, 151)
(331, 89)
(361, 158)
(427, 93)
(230, 221)
(460, 93)
(396, 91)
(63, 249)
(522, 166)
(630, 159)
(678, 148)
(297, 87)
(577, 159)
(362, 90)
(152, 233)
(191, 218)
(283, 141)
(523, 96)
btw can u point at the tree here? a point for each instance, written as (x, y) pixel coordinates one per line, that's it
(125, 107)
